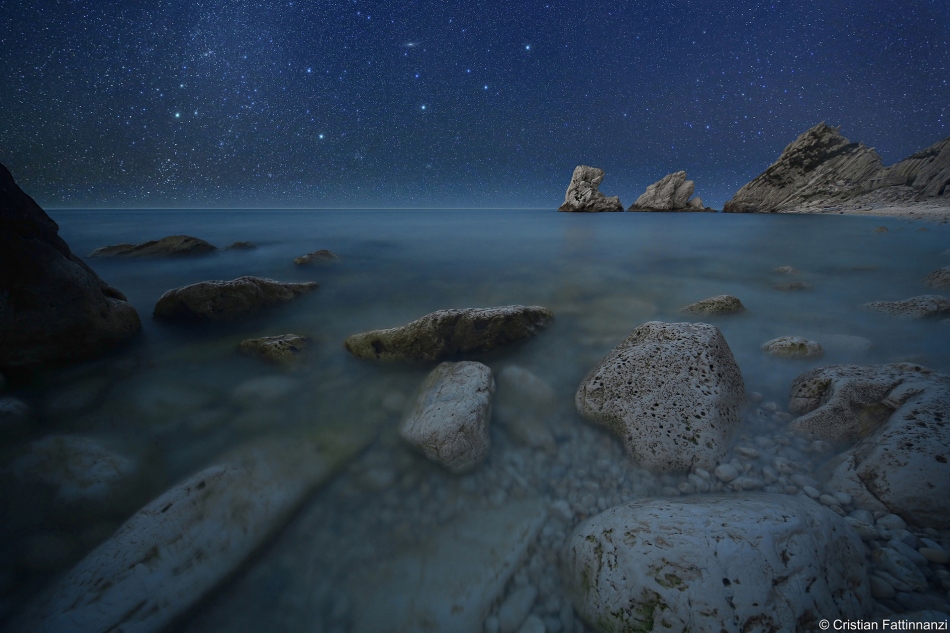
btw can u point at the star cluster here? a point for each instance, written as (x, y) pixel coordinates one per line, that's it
(234, 103)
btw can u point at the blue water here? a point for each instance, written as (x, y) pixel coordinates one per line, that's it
(602, 275)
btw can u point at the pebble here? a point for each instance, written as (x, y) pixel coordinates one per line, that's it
(562, 510)
(881, 589)
(828, 500)
(863, 516)
(491, 624)
(726, 472)
(891, 522)
(552, 624)
(937, 556)
(844, 499)
(784, 466)
(866, 531)
(747, 483)
(533, 624)
(912, 555)
(893, 582)
(567, 617)
(811, 492)
(700, 484)
(703, 473)
(900, 567)
(804, 480)
(746, 452)
(516, 608)
(931, 543)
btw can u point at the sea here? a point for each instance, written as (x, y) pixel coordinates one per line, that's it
(170, 401)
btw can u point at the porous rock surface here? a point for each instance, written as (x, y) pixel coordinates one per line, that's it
(447, 333)
(939, 278)
(793, 347)
(670, 193)
(720, 304)
(822, 168)
(583, 193)
(171, 246)
(283, 349)
(218, 301)
(449, 421)
(746, 562)
(53, 307)
(173, 551)
(920, 307)
(895, 417)
(671, 391)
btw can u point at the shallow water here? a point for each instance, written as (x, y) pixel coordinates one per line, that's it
(168, 400)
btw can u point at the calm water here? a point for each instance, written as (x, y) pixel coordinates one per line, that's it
(167, 401)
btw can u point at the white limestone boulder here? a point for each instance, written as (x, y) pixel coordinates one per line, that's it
(671, 391)
(747, 562)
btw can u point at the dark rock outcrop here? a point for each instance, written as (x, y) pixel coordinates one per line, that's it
(720, 304)
(448, 333)
(922, 307)
(283, 349)
(171, 246)
(670, 193)
(822, 168)
(222, 301)
(322, 255)
(53, 307)
(583, 194)
(241, 246)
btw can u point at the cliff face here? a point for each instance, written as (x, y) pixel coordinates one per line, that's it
(822, 167)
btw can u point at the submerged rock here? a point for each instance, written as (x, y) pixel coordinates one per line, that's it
(846, 343)
(53, 307)
(522, 403)
(241, 246)
(220, 301)
(785, 270)
(895, 415)
(323, 255)
(922, 307)
(795, 285)
(720, 304)
(451, 582)
(793, 347)
(708, 564)
(670, 193)
(583, 195)
(671, 391)
(448, 333)
(939, 278)
(283, 349)
(449, 422)
(172, 552)
(171, 246)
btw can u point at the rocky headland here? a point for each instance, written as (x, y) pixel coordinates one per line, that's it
(824, 172)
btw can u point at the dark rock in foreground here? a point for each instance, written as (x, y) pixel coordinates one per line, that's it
(447, 333)
(222, 301)
(583, 194)
(53, 307)
(670, 193)
(173, 245)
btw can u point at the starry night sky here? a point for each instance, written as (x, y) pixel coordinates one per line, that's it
(240, 103)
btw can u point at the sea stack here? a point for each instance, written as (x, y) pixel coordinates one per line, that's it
(583, 194)
(670, 193)
(53, 307)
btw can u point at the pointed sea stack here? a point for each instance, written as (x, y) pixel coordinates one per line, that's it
(583, 195)
(670, 193)
(53, 307)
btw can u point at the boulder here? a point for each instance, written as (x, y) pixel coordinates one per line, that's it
(323, 255)
(720, 304)
(171, 246)
(449, 421)
(939, 278)
(241, 246)
(671, 391)
(895, 419)
(283, 349)
(583, 195)
(794, 286)
(53, 307)
(921, 307)
(821, 164)
(744, 562)
(793, 347)
(172, 552)
(450, 582)
(670, 193)
(221, 301)
(448, 333)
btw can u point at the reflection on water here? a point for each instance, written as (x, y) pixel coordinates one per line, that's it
(177, 399)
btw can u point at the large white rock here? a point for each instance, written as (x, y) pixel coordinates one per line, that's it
(449, 422)
(750, 562)
(450, 583)
(671, 391)
(670, 193)
(170, 553)
(896, 416)
(583, 193)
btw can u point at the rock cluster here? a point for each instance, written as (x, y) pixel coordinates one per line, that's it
(53, 307)
(670, 193)
(671, 391)
(583, 193)
(171, 246)
(822, 168)
(223, 301)
(448, 333)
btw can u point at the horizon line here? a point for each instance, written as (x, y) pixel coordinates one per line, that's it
(281, 208)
